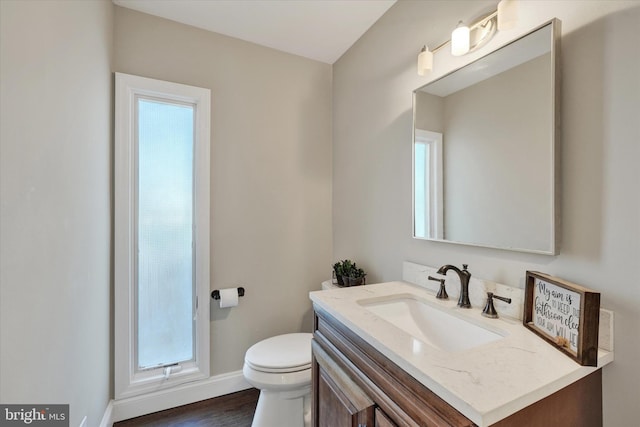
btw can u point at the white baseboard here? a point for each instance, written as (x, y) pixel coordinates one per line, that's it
(136, 406)
(107, 418)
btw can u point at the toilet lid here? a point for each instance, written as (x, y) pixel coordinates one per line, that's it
(282, 353)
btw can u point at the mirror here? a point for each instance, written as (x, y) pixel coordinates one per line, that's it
(484, 149)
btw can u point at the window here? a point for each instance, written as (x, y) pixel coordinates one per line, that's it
(161, 234)
(427, 185)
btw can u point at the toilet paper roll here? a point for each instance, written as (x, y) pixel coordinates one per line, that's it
(228, 297)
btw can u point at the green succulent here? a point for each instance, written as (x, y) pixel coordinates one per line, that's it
(348, 268)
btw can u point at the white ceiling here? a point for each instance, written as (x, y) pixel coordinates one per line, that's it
(318, 29)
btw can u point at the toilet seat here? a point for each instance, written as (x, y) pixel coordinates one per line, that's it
(281, 354)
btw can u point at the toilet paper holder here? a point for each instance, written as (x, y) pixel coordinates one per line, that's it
(216, 293)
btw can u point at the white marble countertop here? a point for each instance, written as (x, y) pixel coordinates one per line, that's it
(486, 383)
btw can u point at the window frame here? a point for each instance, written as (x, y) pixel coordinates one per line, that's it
(434, 223)
(128, 380)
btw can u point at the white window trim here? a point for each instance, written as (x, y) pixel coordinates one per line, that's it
(433, 141)
(127, 381)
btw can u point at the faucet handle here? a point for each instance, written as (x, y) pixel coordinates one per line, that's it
(489, 309)
(464, 266)
(442, 293)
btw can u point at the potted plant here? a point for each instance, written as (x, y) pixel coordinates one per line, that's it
(347, 273)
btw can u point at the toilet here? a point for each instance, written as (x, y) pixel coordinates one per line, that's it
(280, 367)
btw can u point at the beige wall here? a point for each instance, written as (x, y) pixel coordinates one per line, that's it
(55, 184)
(430, 112)
(600, 96)
(270, 169)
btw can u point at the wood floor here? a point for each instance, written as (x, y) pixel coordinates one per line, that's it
(232, 410)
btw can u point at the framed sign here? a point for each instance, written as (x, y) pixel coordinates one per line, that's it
(564, 314)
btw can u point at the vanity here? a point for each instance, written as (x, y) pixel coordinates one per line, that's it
(371, 367)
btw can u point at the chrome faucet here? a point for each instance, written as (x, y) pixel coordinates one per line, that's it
(464, 275)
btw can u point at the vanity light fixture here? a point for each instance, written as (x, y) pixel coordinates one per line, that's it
(465, 39)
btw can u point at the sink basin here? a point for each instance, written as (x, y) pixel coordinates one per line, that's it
(435, 326)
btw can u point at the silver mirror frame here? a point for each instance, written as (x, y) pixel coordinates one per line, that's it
(555, 221)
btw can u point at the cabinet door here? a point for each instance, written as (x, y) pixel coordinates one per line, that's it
(340, 402)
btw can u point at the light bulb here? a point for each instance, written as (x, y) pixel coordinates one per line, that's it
(425, 61)
(460, 40)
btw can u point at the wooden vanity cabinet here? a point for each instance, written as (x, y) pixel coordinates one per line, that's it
(354, 385)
